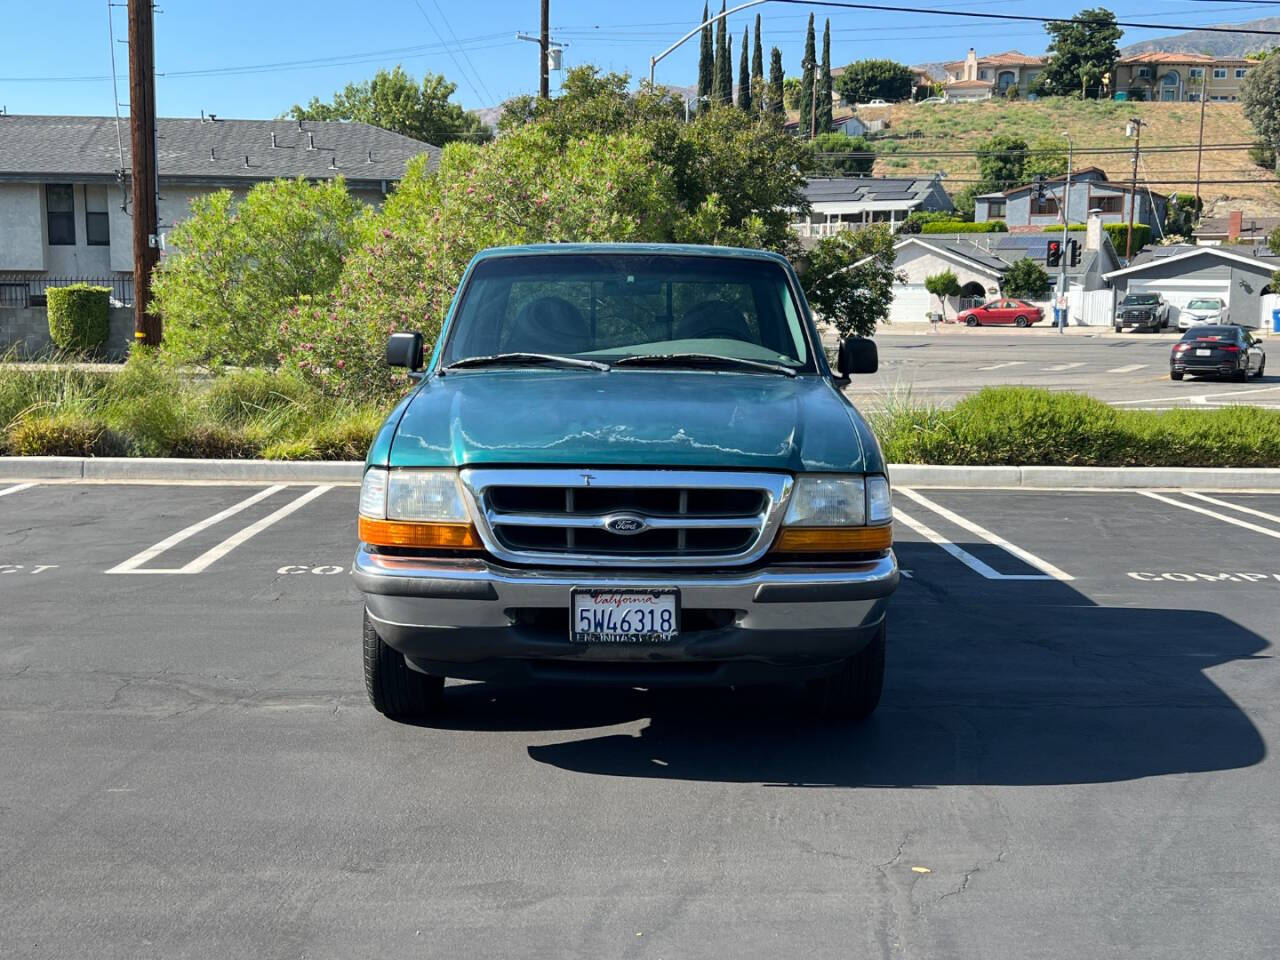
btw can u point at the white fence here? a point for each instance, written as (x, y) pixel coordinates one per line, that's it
(1091, 308)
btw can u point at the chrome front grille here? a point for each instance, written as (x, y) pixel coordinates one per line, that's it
(626, 517)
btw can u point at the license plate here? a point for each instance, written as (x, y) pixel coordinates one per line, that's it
(624, 616)
(1203, 353)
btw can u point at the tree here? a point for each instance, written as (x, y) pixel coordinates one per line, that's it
(394, 101)
(1273, 241)
(706, 64)
(943, 285)
(777, 83)
(1002, 161)
(1026, 280)
(757, 64)
(744, 75)
(1047, 157)
(235, 268)
(867, 80)
(807, 80)
(1081, 51)
(824, 82)
(850, 277)
(793, 92)
(722, 81)
(1260, 94)
(590, 102)
(828, 155)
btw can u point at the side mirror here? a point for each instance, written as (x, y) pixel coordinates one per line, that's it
(405, 350)
(857, 355)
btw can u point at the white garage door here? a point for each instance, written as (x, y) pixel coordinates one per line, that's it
(912, 303)
(1182, 290)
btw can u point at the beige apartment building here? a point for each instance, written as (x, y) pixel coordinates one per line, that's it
(1178, 77)
(981, 78)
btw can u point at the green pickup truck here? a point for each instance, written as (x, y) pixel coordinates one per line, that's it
(626, 464)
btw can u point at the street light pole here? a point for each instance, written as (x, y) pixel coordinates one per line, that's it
(1066, 219)
(1136, 124)
(655, 60)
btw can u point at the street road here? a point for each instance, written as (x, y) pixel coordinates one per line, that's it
(1070, 760)
(1130, 370)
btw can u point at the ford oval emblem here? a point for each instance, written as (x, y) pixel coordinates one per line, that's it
(626, 525)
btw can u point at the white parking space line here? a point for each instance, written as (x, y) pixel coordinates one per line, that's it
(1212, 513)
(134, 563)
(1130, 368)
(1007, 363)
(1166, 399)
(226, 546)
(1026, 556)
(1233, 506)
(1057, 368)
(16, 488)
(961, 554)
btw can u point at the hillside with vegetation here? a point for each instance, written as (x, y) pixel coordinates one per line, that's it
(920, 136)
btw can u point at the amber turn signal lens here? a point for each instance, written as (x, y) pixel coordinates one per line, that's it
(834, 539)
(394, 533)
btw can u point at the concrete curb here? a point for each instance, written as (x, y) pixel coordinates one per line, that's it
(141, 469)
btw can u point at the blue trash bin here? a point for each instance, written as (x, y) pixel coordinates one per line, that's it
(1275, 321)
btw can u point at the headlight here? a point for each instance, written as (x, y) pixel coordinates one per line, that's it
(414, 508)
(838, 514)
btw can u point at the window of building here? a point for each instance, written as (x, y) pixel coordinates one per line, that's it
(1193, 97)
(995, 209)
(1221, 99)
(97, 232)
(1219, 73)
(1240, 72)
(1144, 73)
(60, 205)
(984, 74)
(1108, 204)
(1195, 73)
(1048, 207)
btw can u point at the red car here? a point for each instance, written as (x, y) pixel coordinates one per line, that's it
(1017, 312)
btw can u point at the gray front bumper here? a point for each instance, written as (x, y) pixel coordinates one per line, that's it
(468, 618)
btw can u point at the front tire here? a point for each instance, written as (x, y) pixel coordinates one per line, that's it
(852, 693)
(970, 321)
(394, 689)
(1262, 368)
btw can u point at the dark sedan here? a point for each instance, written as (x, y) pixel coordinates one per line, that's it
(1217, 351)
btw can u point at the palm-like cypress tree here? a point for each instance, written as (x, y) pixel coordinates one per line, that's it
(824, 82)
(775, 83)
(724, 60)
(717, 81)
(744, 75)
(807, 79)
(706, 65)
(757, 69)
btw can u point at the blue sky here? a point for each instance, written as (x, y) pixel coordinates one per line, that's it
(253, 48)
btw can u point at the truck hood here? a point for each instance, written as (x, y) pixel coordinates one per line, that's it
(633, 417)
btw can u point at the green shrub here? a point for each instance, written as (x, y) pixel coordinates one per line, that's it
(963, 226)
(79, 316)
(1118, 232)
(64, 434)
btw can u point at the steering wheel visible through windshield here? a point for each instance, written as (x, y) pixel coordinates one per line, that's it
(610, 306)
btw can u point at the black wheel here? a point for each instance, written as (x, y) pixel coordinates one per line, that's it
(970, 321)
(1262, 368)
(1119, 329)
(1175, 374)
(1240, 376)
(396, 690)
(1020, 321)
(852, 693)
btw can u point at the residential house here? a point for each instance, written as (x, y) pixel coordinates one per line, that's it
(1235, 227)
(64, 204)
(1090, 190)
(1238, 275)
(981, 78)
(1180, 77)
(980, 261)
(848, 203)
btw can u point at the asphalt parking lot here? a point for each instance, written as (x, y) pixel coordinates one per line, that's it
(1070, 759)
(1128, 370)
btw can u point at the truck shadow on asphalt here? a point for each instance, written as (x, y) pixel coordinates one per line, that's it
(989, 682)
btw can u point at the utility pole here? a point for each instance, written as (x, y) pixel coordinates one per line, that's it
(544, 47)
(1204, 80)
(1135, 124)
(142, 143)
(1066, 219)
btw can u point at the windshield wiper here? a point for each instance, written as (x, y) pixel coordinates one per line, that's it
(701, 360)
(524, 360)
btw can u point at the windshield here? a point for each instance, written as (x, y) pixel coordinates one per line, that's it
(1205, 305)
(608, 306)
(1141, 299)
(1211, 333)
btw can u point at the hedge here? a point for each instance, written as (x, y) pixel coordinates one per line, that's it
(79, 316)
(1024, 426)
(1119, 233)
(964, 226)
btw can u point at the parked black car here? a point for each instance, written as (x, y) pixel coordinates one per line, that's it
(1224, 351)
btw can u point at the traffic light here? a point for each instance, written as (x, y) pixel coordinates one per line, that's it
(1074, 252)
(1053, 253)
(1037, 187)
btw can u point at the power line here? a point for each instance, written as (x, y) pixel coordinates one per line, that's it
(465, 56)
(449, 50)
(1031, 152)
